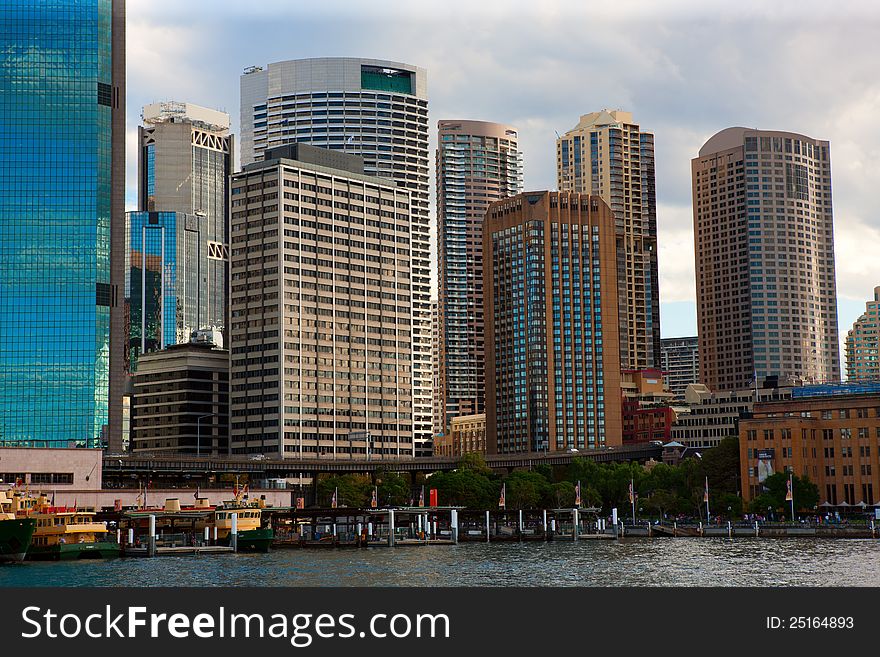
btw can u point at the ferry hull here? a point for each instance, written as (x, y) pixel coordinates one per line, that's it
(255, 540)
(15, 538)
(73, 551)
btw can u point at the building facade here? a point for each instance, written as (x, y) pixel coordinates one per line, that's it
(550, 307)
(680, 362)
(184, 164)
(373, 108)
(606, 154)
(180, 401)
(647, 413)
(62, 185)
(863, 344)
(709, 417)
(830, 434)
(467, 434)
(173, 285)
(477, 163)
(763, 229)
(321, 308)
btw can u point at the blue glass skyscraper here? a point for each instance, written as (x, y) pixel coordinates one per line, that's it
(61, 189)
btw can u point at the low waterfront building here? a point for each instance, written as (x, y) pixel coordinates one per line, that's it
(680, 362)
(467, 434)
(51, 469)
(708, 417)
(828, 433)
(180, 402)
(647, 414)
(863, 344)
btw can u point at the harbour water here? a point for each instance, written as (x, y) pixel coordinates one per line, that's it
(628, 562)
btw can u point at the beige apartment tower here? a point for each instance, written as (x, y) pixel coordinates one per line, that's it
(764, 244)
(606, 154)
(478, 162)
(321, 309)
(863, 344)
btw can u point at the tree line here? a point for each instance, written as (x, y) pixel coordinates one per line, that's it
(660, 489)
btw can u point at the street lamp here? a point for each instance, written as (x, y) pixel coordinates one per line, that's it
(199, 431)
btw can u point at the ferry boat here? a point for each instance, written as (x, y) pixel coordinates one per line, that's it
(16, 533)
(64, 532)
(252, 536)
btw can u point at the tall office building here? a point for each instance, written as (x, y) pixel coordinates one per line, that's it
(863, 344)
(680, 362)
(62, 186)
(550, 306)
(477, 163)
(185, 160)
(173, 285)
(373, 108)
(608, 155)
(322, 309)
(766, 293)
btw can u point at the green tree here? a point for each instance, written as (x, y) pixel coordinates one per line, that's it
(806, 493)
(394, 488)
(526, 490)
(465, 487)
(721, 465)
(352, 490)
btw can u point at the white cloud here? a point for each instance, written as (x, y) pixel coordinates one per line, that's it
(686, 69)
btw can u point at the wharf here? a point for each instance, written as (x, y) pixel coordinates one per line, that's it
(133, 551)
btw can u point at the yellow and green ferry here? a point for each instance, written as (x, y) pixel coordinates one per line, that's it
(16, 533)
(64, 532)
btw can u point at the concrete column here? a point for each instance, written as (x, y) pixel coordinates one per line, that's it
(544, 524)
(391, 528)
(207, 535)
(215, 534)
(729, 530)
(370, 530)
(233, 534)
(453, 524)
(576, 520)
(151, 539)
(118, 536)
(756, 528)
(520, 524)
(131, 536)
(487, 526)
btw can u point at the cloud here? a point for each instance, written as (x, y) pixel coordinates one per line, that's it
(685, 69)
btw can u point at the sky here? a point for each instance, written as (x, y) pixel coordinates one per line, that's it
(685, 69)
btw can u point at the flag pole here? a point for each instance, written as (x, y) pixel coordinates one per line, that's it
(707, 500)
(632, 497)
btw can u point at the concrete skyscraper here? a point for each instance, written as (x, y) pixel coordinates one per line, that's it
(550, 306)
(62, 186)
(863, 344)
(321, 309)
(680, 362)
(478, 162)
(177, 244)
(606, 154)
(764, 242)
(373, 108)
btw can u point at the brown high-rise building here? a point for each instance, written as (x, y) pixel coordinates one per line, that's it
(321, 309)
(478, 162)
(550, 306)
(766, 294)
(608, 155)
